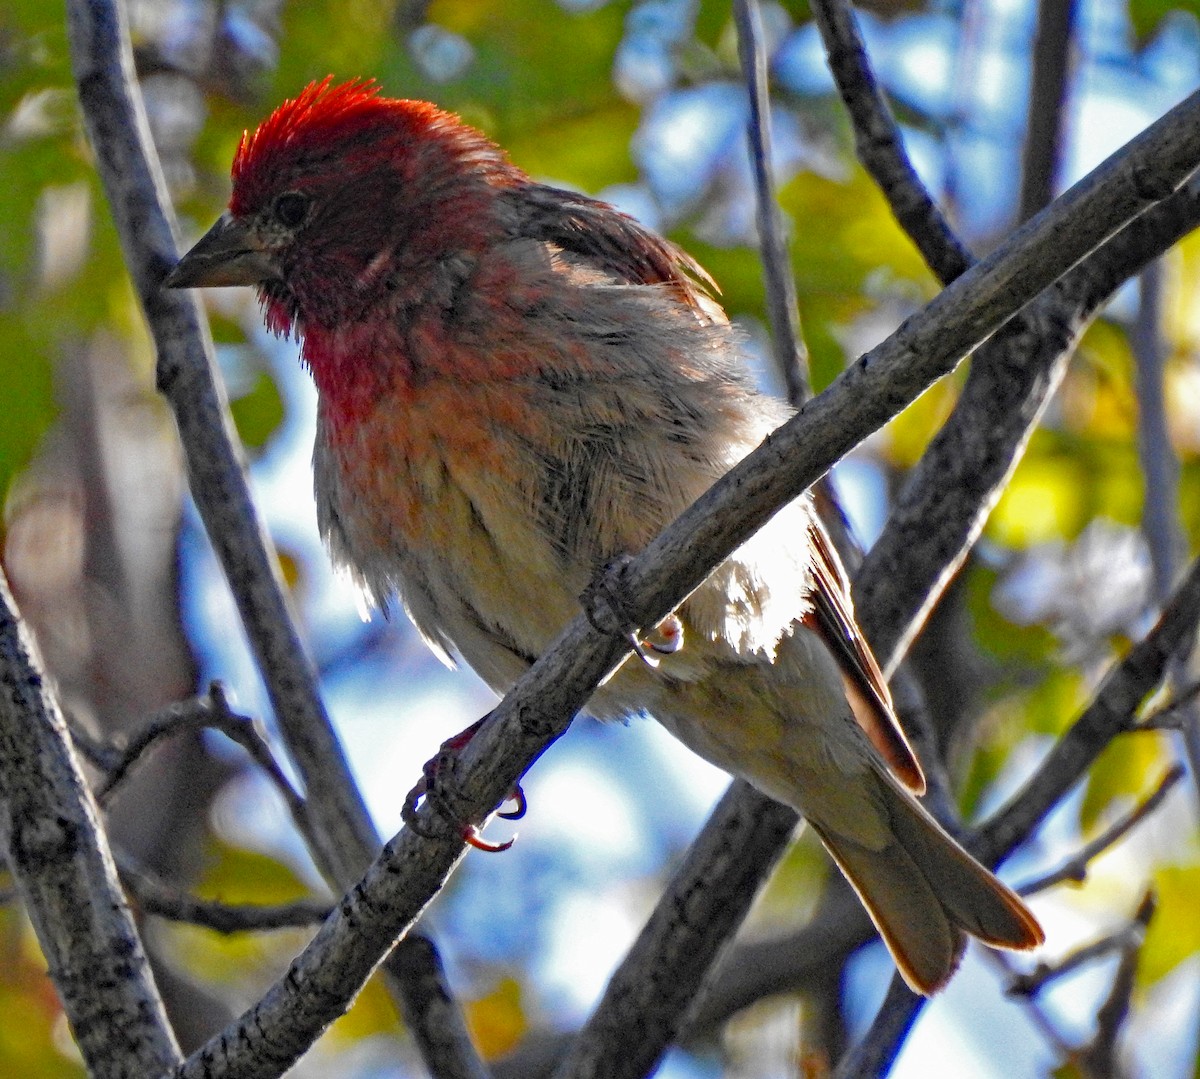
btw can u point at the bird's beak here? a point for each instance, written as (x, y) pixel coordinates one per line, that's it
(227, 254)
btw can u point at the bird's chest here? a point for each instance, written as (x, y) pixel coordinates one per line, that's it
(432, 493)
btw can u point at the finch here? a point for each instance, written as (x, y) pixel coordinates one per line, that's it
(518, 384)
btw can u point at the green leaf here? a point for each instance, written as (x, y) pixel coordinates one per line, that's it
(259, 411)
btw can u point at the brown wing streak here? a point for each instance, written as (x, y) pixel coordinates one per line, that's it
(832, 618)
(616, 244)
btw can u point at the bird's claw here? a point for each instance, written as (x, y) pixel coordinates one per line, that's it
(430, 788)
(606, 609)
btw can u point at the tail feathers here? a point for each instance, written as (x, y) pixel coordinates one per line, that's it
(925, 944)
(974, 898)
(925, 894)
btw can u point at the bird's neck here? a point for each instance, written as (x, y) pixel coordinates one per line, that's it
(355, 367)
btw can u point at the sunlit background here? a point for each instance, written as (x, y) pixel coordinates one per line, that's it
(641, 104)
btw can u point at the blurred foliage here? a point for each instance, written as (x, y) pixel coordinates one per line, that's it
(567, 88)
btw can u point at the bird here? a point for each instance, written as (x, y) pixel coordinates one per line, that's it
(518, 385)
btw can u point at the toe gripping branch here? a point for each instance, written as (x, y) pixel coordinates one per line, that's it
(431, 787)
(606, 609)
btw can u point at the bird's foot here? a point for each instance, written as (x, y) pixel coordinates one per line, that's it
(431, 787)
(604, 604)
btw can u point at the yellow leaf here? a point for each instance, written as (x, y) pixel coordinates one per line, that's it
(1174, 932)
(497, 1021)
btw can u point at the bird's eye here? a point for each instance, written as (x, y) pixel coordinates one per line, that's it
(291, 208)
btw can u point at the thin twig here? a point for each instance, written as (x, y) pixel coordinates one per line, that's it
(1075, 869)
(1035, 981)
(1032, 1007)
(880, 145)
(1168, 717)
(1043, 974)
(783, 313)
(156, 896)
(1156, 455)
(1051, 67)
(342, 835)
(98, 752)
(1111, 712)
(1100, 1058)
(211, 712)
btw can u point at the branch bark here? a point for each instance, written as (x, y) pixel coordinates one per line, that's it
(64, 872)
(783, 313)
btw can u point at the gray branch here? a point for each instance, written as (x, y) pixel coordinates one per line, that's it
(948, 495)
(1052, 65)
(1012, 370)
(880, 145)
(787, 344)
(56, 851)
(710, 894)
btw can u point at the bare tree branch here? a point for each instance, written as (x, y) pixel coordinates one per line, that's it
(1044, 973)
(1053, 45)
(787, 344)
(53, 844)
(880, 145)
(1169, 716)
(948, 495)
(1157, 230)
(1160, 466)
(1075, 869)
(157, 897)
(1100, 1059)
(651, 992)
(1112, 712)
(343, 837)
(1011, 379)
(211, 712)
(876, 1052)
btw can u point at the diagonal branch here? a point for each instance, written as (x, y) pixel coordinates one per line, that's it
(53, 845)
(1075, 868)
(712, 892)
(539, 708)
(754, 971)
(1111, 713)
(947, 497)
(880, 145)
(115, 116)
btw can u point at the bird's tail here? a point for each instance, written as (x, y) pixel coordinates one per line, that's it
(925, 894)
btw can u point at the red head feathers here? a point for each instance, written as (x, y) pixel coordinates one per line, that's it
(350, 127)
